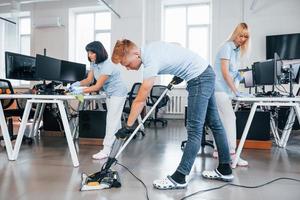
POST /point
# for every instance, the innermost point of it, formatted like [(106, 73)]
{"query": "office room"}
[(149, 99)]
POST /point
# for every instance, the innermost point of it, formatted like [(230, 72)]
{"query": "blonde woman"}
[(227, 64)]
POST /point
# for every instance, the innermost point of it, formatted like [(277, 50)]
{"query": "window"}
[(24, 35), (91, 26), (188, 25), (15, 38)]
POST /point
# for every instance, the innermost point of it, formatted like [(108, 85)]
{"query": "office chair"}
[(6, 88), (204, 142), (130, 98), (155, 93)]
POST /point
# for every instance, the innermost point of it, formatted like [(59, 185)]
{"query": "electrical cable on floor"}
[(214, 188), (241, 186), (146, 189)]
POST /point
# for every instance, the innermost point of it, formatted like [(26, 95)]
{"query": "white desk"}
[(268, 101), (12, 153)]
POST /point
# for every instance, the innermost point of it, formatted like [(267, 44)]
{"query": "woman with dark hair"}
[(109, 79)]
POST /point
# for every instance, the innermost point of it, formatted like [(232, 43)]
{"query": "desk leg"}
[(236, 107), (288, 128), (274, 130), (76, 121), (244, 136), (22, 129), (68, 133), (39, 118), (5, 134), (36, 114)]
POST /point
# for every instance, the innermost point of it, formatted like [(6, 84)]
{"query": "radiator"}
[(176, 105)]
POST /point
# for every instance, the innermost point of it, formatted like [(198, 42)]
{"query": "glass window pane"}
[(84, 35), (198, 14), (25, 45), (199, 41), (25, 25), (103, 21), (104, 38), (175, 25)]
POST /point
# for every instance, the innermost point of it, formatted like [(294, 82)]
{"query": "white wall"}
[(141, 22)]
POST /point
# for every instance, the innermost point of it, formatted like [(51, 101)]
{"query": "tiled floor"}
[(45, 171)]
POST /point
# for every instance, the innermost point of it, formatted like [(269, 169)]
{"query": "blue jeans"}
[(202, 106)]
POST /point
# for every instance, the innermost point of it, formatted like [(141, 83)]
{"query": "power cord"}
[(241, 186), (144, 185), (214, 188)]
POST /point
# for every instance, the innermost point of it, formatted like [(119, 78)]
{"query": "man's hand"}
[(124, 132)]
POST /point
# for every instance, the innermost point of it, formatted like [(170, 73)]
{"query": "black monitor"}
[(287, 46), (48, 68), (20, 67), (264, 73), (59, 70), (71, 71)]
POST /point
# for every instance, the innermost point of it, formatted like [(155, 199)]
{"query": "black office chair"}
[(204, 142), (130, 98), (155, 93), (6, 88)]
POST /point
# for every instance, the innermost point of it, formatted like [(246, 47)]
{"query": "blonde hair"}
[(241, 28), (121, 49)]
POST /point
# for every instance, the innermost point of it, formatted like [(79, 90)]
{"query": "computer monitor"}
[(59, 70), (287, 46), (264, 73), (48, 68), (20, 67), (71, 71), (248, 79)]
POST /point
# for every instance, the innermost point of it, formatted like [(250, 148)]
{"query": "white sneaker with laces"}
[(99, 156)]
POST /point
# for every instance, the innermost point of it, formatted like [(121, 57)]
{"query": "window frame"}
[(186, 4), (73, 13)]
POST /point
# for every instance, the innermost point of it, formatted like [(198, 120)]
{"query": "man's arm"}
[(139, 102)]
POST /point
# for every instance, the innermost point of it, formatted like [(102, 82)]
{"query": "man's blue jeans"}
[(202, 106)]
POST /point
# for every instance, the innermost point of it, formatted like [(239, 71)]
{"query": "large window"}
[(188, 25), (90, 26), (24, 35), (15, 38)]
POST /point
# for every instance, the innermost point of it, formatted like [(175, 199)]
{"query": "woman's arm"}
[(100, 82), (88, 80), (226, 75)]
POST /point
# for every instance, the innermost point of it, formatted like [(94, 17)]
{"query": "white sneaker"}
[(99, 156), (241, 162)]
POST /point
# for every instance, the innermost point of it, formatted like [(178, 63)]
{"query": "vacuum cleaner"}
[(107, 178)]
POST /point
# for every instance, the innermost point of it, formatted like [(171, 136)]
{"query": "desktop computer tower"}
[(92, 124), (259, 128)]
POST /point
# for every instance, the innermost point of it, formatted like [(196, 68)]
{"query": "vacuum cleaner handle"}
[(175, 81)]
